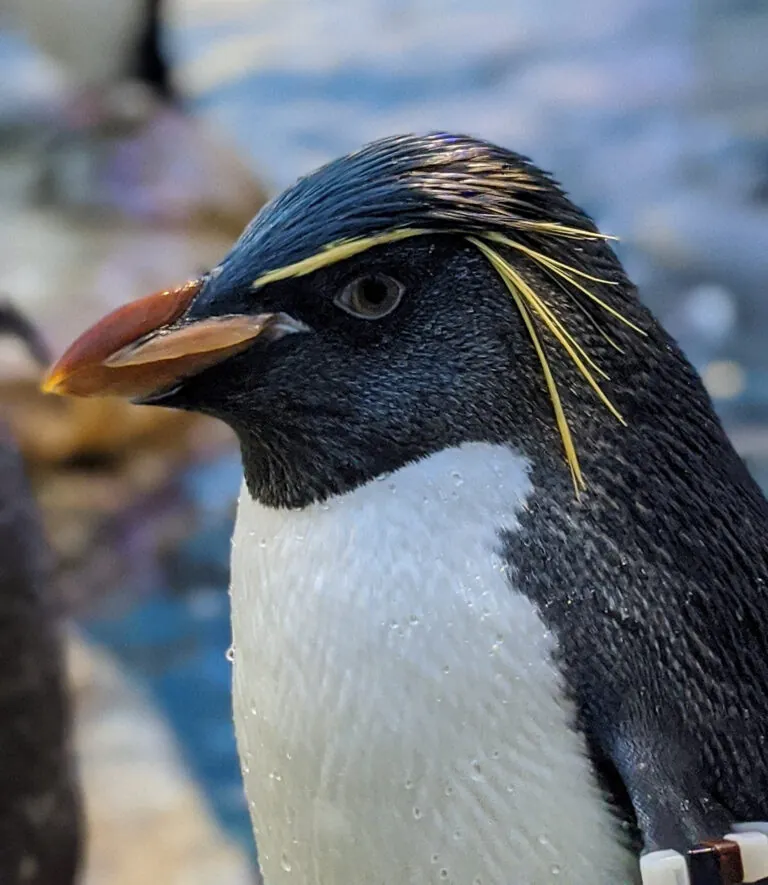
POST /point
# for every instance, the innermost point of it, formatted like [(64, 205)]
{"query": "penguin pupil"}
[(375, 295)]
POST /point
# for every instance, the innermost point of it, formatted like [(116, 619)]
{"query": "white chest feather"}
[(399, 717)]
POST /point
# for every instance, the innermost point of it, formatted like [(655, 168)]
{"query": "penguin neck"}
[(284, 469)]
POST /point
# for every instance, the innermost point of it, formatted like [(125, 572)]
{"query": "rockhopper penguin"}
[(498, 576)]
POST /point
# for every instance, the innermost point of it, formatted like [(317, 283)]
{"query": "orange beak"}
[(146, 347)]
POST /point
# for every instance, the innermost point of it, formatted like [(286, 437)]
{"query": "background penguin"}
[(459, 655), (40, 838), (101, 45)]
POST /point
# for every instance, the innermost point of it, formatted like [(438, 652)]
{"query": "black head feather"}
[(446, 185), (438, 182), (546, 270)]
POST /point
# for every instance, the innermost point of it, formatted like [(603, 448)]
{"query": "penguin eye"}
[(370, 297)]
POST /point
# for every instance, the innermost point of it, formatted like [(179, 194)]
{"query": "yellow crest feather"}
[(527, 300)]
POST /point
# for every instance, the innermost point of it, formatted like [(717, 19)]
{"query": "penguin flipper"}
[(663, 779)]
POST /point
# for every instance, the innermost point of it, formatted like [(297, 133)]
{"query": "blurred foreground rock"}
[(147, 822)]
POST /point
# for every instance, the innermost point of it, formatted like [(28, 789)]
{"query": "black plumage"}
[(40, 812)]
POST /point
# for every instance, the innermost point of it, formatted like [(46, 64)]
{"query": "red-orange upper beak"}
[(146, 347)]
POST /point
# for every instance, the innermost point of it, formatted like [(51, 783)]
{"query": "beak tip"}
[(52, 383)]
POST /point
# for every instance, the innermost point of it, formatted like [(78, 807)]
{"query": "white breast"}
[(399, 717)]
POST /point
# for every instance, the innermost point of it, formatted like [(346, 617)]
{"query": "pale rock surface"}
[(146, 820)]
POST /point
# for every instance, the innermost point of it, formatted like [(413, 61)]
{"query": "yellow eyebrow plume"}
[(332, 254), (529, 303)]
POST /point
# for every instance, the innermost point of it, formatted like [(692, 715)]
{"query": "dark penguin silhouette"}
[(102, 44), (499, 577), (40, 819), (150, 62)]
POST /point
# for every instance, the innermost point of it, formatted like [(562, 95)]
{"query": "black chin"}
[(170, 398), (200, 393)]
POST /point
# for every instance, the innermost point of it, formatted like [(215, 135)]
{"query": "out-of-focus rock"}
[(146, 820), (54, 432), (153, 165), (154, 204), (96, 466), (100, 469)]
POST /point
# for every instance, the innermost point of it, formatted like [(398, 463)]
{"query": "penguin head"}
[(418, 294)]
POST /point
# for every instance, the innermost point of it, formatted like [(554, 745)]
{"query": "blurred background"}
[(116, 180)]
